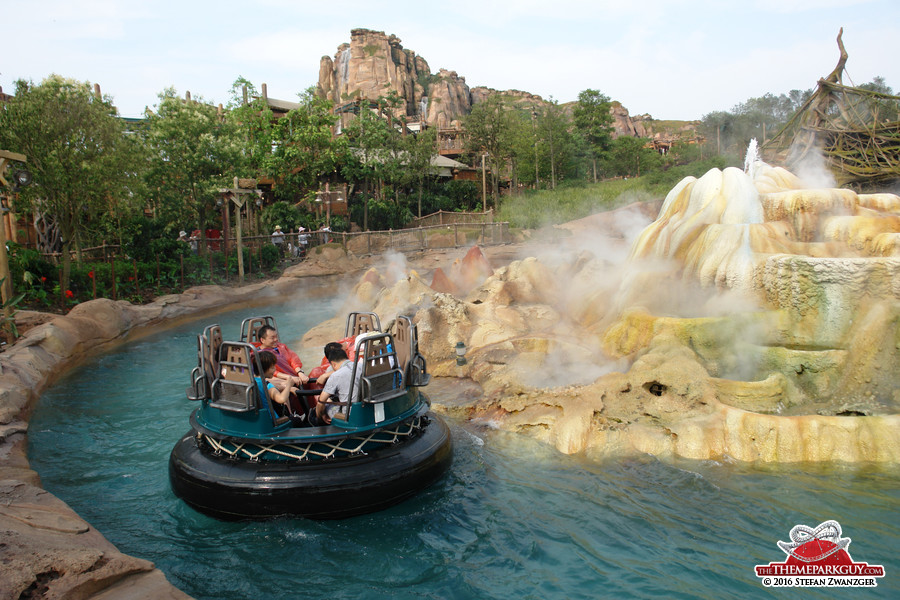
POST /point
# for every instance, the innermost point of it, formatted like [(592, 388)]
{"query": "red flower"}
[(69, 294), (43, 279), (91, 274), (131, 279)]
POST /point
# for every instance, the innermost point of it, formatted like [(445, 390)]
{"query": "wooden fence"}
[(443, 217), (453, 235)]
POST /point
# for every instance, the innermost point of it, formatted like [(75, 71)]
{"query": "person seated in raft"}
[(288, 366), (336, 392), (321, 373), (267, 361)]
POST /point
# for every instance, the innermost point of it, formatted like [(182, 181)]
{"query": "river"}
[(513, 519)]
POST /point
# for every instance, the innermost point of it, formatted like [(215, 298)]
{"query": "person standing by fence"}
[(278, 239), (302, 242)]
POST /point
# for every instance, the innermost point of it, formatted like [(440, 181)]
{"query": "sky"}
[(672, 59)]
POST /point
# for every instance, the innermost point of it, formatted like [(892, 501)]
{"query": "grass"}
[(534, 209), (568, 202)]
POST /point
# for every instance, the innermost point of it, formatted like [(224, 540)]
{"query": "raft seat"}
[(359, 323), (382, 378), (213, 335), (234, 389), (411, 363), (208, 345), (250, 327), (199, 388), (403, 342)]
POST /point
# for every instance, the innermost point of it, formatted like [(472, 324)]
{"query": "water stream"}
[(514, 518)]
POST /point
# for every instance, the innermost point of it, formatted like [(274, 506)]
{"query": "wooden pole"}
[(240, 245), (112, 272), (483, 185)]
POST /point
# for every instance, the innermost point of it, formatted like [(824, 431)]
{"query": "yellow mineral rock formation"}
[(755, 319)]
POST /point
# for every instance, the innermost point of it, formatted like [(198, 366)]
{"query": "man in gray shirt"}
[(336, 392)]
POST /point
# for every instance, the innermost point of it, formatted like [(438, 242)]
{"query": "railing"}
[(107, 272), (443, 217), (452, 235)]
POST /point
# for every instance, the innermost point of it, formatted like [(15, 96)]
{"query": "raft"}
[(241, 459)]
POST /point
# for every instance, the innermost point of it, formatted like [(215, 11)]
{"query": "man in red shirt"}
[(288, 366)]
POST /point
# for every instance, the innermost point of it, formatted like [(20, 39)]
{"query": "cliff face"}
[(624, 124), (374, 64)]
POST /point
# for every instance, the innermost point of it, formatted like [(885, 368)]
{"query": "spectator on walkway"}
[(302, 241), (278, 239)]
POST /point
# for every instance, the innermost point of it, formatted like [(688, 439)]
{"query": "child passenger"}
[(268, 391)]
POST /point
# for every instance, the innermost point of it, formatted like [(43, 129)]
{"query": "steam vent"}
[(756, 319)]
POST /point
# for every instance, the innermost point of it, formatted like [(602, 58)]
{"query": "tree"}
[(195, 151), (305, 149), (375, 155), (296, 150), (756, 118), (419, 150), (489, 128), (630, 157), (76, 150), (595, 122), (879, 85), (556, 139)]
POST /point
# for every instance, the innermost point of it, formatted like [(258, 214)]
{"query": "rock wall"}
[(374, 64)]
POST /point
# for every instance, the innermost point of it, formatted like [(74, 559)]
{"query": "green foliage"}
[(383, 214), (493, 127), (668, 178), (418, 151), (284, 214), (147, 239), (8, 314), (83, 165), (760, 118), (195, 151), (574, 201), (628, 157), (30, 273), (594, 121), (269, 255), (301, 149), (465, 195), (376, 153)]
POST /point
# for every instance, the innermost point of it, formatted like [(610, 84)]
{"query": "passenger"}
[(336, 392), (267, 361), (288, 366), (322, 372)]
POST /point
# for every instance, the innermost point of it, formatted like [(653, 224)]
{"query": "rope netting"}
[(353, 445)]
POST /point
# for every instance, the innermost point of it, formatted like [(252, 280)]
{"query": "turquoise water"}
[(514, 519)]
